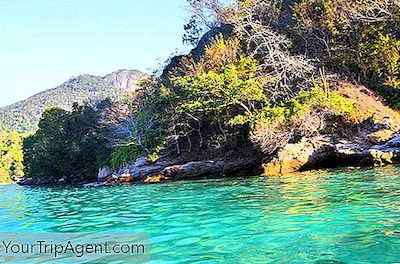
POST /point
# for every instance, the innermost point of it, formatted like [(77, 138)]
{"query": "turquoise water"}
[(332, 217)]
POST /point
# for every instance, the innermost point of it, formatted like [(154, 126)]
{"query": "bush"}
[(11, 156), (305, 115), (124, 155)]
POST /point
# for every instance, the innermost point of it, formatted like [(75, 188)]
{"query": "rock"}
[(345, 149), (394, 142), (125, 79), (157, 173), (140, 162), (36, 181), (382, 157), (318, 152), (295, 157), (381, 136), (140, 172), (388, 153), (155, 179), (104, 173)]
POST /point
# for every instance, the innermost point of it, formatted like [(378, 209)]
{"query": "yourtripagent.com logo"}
[(74, 247)]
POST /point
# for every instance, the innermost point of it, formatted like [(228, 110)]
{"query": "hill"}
[(24, 116)]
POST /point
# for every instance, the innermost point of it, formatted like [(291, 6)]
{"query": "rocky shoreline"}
[(324, 151), (375, 142), (327, 151)]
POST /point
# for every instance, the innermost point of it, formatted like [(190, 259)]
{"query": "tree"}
[(67, 145), (205, 15), (11, 156)]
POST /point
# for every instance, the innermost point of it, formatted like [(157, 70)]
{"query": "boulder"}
[(154, 173), (297, 156), (104, 173), (388, 153), (140, 162), (323, 151), (383, 157), (155, 179), (381, 136)]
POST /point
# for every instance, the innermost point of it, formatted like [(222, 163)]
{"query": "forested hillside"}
[(286, 85), (24, 116)]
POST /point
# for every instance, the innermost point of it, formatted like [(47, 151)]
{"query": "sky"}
[(45, 42)]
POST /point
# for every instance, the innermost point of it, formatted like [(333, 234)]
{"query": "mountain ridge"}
[(23, 116)]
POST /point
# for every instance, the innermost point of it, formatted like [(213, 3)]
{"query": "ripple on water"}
[(331, 217)]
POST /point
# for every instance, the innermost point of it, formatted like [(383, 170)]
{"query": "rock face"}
[(104, 173), (324, 151), (295, 157), (381, 136), (125, 79), (331, 151), (153, 173), (388, 153)]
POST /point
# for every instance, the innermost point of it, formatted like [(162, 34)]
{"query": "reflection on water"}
[(350, 216)]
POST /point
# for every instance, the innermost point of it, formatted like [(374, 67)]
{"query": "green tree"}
[(11, 156), (67, 145)]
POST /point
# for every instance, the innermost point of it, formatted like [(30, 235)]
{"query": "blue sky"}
[(45, 42)]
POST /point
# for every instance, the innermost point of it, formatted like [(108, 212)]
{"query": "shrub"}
[(123, 156), (305, 115), (11, 156)]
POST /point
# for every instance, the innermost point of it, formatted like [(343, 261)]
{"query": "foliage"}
[(219, 92), (11, 156), (225, 86), (67, 145), (316, 98), (123, 155), (360, 38), (304, 115), (142, 132), (205, 15), (288, 73), (380, 56), (238, 84)]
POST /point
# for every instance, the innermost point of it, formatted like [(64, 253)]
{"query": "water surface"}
[(350, 216)]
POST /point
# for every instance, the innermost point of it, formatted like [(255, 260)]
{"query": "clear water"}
[(332, 217)]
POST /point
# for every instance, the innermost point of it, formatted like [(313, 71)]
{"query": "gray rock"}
[(388, 153), (104, 173), (140, 162), (394, 142)]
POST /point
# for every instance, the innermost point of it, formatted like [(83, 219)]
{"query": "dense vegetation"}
[(11, 156), (265, 84), (67, 145), (270, 81), (24, 116)]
